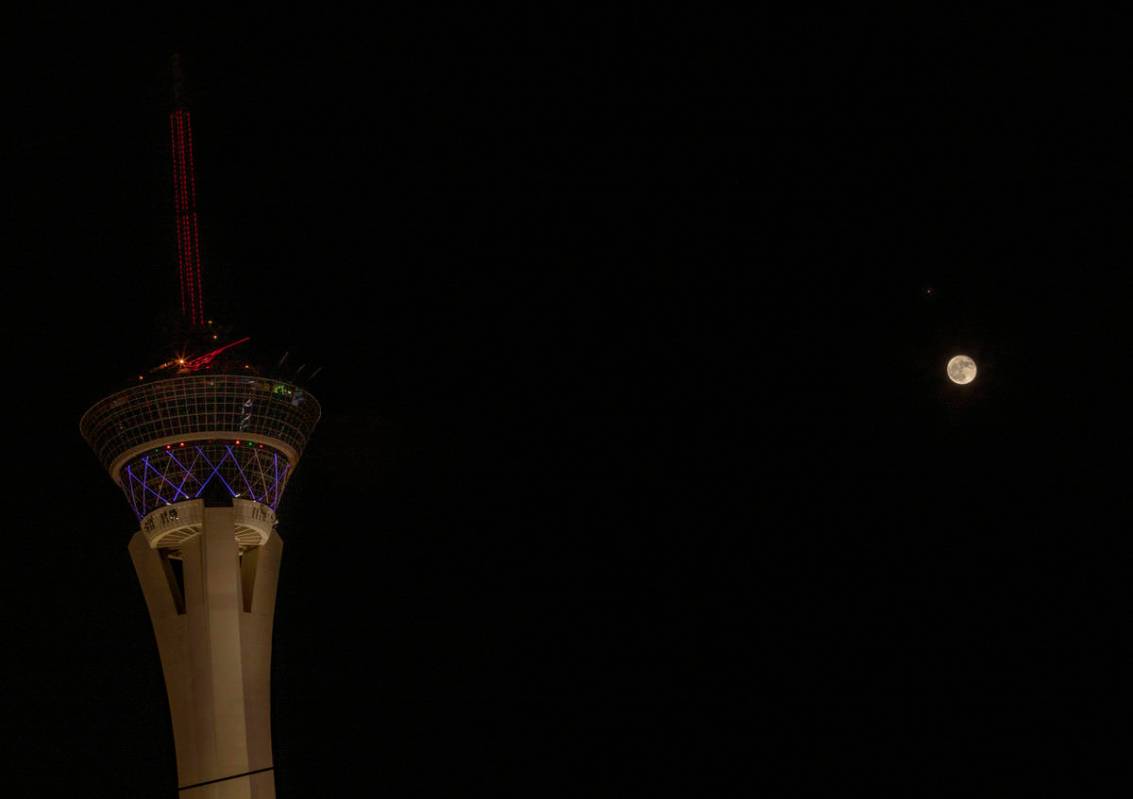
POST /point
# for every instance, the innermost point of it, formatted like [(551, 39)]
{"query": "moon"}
[(961, 369)]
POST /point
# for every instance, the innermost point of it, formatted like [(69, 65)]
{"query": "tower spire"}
[(185, 204)]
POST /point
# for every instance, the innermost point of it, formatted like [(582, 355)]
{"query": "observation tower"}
[(203, 447)]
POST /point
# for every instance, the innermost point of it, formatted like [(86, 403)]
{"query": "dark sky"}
[(638, 464)]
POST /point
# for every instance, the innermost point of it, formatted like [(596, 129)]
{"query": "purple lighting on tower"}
[(188, 472), (150, 467), (248, 485), (161, 477), (214, 473)]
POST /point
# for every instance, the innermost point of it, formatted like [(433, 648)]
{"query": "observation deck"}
[(170, 440)]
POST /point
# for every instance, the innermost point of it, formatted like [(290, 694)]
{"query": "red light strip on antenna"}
[(177, 211), (185, 208), (196, 228), (178, 182)]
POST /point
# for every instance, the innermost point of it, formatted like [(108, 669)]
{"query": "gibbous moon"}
[(961, 369)]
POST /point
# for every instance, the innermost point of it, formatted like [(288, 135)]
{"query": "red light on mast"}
[(185, 210)]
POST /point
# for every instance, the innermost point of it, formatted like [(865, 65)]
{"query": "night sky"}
[(639, 466)]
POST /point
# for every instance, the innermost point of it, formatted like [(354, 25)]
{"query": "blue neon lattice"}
[(183, 472)]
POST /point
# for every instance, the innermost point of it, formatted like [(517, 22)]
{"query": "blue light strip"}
[(145, 487), (201, 470), (160, 475), (188, 472), (263, 478), (286, 466), (132, 496), (215, 471), (236, 460), (165, 471)]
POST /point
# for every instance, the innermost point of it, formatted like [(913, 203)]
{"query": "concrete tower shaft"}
[(213, 624)]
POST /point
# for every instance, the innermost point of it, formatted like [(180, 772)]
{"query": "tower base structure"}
[(209, 577)]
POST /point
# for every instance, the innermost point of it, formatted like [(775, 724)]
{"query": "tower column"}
[(214, 637)]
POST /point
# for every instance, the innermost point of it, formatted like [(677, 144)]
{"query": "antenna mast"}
[(185, 205)]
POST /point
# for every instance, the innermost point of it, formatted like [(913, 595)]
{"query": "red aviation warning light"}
[(185, 207)]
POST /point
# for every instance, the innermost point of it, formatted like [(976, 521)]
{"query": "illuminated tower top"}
[(200, 425), (169, 440)]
